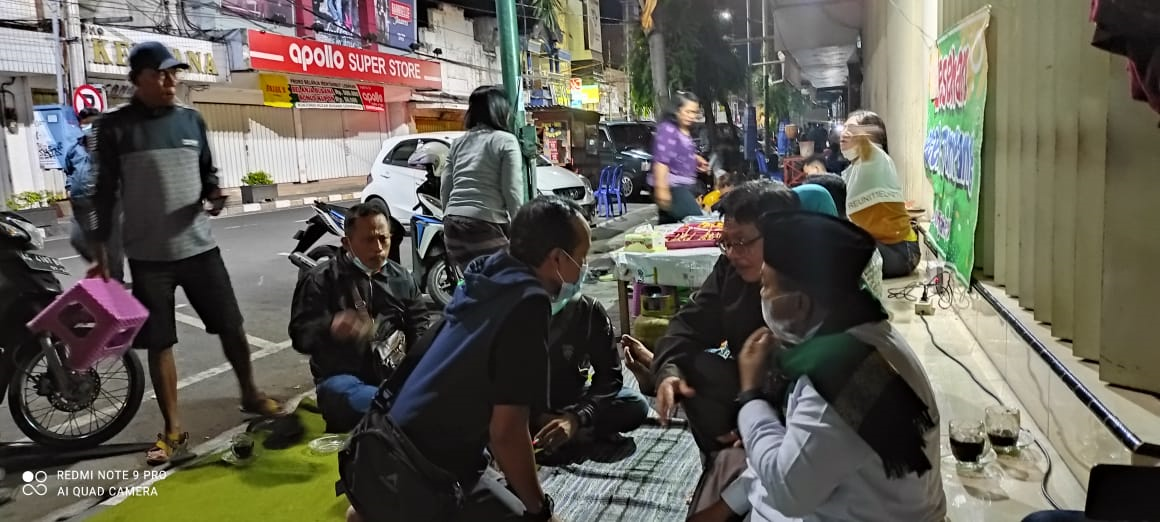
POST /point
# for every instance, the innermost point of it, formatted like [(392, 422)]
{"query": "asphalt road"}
[(255, 247)]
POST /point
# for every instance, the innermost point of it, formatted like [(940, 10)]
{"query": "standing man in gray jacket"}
[(154, 154)]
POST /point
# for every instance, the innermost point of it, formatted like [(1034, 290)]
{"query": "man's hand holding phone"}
[(215, 202)]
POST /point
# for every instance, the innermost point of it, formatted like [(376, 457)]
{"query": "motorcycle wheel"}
[(440, 282), (31, 383)]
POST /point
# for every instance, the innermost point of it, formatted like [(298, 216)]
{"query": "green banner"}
[(954, 138)]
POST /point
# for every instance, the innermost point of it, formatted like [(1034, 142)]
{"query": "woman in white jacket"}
[(838, 418)]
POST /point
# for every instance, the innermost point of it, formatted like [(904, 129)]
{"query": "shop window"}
[(402, 153)]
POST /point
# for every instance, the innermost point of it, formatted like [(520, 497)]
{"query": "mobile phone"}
[(217, 204)]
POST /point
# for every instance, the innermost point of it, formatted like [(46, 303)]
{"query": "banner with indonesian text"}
[(954, 138), (312, 93)]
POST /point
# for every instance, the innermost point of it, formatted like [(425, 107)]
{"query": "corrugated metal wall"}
[(1069, 168), (331, 144)]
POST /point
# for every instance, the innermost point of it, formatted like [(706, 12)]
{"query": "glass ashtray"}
[(328, 444)]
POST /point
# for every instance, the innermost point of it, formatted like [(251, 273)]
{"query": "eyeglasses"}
[(739, 245)]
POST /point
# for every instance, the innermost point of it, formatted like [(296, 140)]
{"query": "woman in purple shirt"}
[(675, 161)]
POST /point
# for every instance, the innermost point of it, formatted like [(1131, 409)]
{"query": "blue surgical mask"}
[(559, 306), (361, 266), (86, 127), (568, 290)]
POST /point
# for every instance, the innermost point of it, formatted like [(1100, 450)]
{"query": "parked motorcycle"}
[(52, 404), (329, 219), (435, 275)]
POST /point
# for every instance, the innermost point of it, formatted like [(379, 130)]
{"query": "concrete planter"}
[(259, 193), (41, 217)]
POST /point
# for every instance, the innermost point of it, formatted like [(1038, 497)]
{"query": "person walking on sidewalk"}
[(80, 184), (154, 154)]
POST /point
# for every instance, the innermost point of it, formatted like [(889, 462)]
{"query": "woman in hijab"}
[(874, 195), (675, 161), (838, 418), (483, 182), (818, 198)]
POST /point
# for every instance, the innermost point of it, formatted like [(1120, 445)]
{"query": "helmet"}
[(431, 153)]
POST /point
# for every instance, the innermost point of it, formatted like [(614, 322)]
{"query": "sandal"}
[(263, 406), (166, 449)]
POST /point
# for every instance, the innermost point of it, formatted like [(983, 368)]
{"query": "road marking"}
[(267, 349), (69, 257)]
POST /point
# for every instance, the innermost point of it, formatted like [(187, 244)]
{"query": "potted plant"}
[(258, 187), (34, 207), (60, 202)]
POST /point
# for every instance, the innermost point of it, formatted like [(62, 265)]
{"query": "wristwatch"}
[(753, 394), (546, 510)]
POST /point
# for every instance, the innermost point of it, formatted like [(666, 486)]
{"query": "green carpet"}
[(291, 484)]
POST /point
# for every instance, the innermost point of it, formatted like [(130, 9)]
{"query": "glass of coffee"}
[(968, 443), (1003, 428), (242, 446)]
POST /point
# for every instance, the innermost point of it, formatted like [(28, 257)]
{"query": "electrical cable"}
[(971, 374)]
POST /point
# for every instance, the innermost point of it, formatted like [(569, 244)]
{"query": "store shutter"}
[(324, 145), (273, 146), (365, 133), (228, 126)]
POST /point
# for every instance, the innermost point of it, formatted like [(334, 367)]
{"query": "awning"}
[(438, 101)]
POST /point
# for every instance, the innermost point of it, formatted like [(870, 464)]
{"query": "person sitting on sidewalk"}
[(581, 335), (355, 316), (727, 307), (486, 369), (837, 416)]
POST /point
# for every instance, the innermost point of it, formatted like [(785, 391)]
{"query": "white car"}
[(394, 182)]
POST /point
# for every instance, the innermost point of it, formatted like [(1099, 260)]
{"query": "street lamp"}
[(725, 15)]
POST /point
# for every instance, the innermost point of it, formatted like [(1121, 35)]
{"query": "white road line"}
[(267, 349)]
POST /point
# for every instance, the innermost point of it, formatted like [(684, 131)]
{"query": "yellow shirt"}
[(710, 199), (888, 222)]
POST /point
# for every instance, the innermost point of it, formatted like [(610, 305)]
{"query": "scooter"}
[(329, 219), (435, 275), (40, 388)]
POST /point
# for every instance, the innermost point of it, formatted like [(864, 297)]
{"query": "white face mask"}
[(782, 329), (850, 153)]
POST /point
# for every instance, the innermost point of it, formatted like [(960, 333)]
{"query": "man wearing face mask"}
[(486, 369), (581, 340), (355, 316), (837, 416)]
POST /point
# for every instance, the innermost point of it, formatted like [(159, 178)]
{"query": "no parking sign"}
[(88, 96)]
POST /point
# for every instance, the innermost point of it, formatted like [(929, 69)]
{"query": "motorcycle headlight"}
[(16, 231)]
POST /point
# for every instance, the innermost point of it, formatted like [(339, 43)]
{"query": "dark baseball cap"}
[(153, 55)]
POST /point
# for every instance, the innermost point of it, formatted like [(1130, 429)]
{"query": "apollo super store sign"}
[(284, 54)]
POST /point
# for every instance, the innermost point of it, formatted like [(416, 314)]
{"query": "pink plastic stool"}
[(116, 316)]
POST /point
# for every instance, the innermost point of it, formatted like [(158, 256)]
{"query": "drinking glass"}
[(968, 443), (1002, 423), (242, 446)]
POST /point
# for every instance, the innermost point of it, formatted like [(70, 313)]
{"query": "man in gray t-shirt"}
[(153, 154)]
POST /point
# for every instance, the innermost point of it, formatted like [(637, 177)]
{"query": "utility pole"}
[(766, 57), (750, 109), (627, 26), (74, 43), (509, 51), (57, 8)]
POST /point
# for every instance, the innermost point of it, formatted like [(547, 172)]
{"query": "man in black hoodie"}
[(581, 341), (355, 316), (487, 367)]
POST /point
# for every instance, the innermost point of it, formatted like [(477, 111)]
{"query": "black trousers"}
[(712, 412)]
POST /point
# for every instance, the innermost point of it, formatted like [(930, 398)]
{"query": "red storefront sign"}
[(372, 98), (274, 52)]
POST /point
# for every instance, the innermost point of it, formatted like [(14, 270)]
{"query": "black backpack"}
[(383, 475)]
